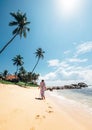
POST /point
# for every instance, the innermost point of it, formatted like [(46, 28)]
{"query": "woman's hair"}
[(42, 80)]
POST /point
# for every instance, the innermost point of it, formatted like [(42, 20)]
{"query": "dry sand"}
[(20, 109)]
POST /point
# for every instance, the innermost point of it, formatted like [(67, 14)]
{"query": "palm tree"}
[(39, 54), (1, 76), (5, 73), (34, 77), (22, 73), (20, 22), (18, 62)]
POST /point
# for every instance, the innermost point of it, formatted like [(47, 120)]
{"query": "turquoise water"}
[(82, 96)]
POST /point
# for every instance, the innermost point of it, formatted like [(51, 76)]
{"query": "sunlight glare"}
[(68, 8)]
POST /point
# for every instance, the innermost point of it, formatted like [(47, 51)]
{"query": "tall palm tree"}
[(18, 62), (21, 23), (39, 54)]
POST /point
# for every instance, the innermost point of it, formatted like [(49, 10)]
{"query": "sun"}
[(68, 8)]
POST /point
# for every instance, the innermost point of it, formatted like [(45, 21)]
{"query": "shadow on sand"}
[(39, 98)]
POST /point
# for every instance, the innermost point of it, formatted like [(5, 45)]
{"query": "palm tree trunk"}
[(16, 73), (7, 44), (35, 65)]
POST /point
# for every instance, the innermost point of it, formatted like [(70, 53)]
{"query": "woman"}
[(42, 89)]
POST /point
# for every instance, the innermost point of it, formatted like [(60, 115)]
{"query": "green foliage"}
[(39, 54), (20, 22), (22, 84), (5, 82)]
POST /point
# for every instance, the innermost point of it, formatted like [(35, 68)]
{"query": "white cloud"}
[(70, 72), (67, 74), (86, 75), (67, 52), (61, 82), (49, 76), (77, 60), (64, 64), (54, 62), (84, 48)]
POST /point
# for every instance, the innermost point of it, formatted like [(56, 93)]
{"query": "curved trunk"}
[(7, 44), (35, 65)]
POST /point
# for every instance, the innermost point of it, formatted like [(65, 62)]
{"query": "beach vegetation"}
[(21, 76), (5, 73), (22, 84), (18, 62)]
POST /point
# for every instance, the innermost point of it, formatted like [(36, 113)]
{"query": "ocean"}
[(82, 97)]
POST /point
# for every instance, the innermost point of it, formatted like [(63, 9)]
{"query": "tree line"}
[(20, 22)]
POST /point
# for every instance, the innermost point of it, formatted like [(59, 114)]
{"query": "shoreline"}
[(73, 108), (21, 109), (69, 101)]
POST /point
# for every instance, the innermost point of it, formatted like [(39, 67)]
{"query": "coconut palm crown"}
[(18, 62), (39, 54), (21, 29)]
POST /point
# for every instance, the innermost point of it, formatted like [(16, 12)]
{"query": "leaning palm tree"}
[(21, 23), (39, 54), (18, 62)]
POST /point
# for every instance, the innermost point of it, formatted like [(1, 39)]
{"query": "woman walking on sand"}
[(42, 89)]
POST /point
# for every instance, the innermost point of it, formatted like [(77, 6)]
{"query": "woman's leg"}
[(42, 95)]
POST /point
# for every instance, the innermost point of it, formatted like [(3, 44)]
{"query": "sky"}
[(62, 28)]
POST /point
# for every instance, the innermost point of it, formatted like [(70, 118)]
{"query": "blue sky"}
[(62, 28)]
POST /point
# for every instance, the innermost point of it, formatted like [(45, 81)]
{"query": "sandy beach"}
[(21, 109)]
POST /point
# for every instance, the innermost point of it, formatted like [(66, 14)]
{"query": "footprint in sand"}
[(37, 117), (49, 111), (32, 128), (50, 107), (40, 117), (43, 116)]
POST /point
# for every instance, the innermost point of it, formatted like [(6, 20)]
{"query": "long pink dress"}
[(42, 89)]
